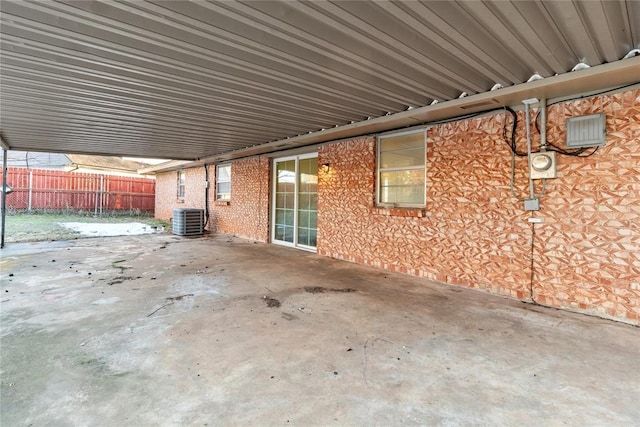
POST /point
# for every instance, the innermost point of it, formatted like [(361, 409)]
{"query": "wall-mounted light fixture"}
[(326, 167)]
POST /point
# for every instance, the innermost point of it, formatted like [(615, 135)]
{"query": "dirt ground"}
[(166, 330)]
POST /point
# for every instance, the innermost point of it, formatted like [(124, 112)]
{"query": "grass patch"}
[(41, 227)]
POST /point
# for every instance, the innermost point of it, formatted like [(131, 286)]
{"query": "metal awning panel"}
[(194, 80)]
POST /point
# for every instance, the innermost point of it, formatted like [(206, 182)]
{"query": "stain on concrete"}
[(320, 290), (104, 301), (121, 279), (402, 356), (271, 302), (289, 316), (179, 297)]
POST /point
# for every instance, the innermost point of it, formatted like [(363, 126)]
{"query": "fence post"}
[(4, 194), (101, 193), (30, 190)]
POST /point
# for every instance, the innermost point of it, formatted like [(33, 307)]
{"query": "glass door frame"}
[(274, 188)]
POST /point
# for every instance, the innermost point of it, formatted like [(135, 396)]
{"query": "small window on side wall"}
[(401, 176), (223, 182), (180, 187)]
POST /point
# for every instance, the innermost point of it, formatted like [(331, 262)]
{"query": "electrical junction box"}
[(543, 165), (532, 204)]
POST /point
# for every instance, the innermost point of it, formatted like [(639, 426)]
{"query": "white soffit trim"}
[(170, 165)]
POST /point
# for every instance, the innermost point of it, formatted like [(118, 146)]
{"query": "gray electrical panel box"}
[(532, 204), (586, 131)]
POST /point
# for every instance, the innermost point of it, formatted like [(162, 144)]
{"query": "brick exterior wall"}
[(584, 257), (586, 254), (245, 215), (167, 192), (471, 233)]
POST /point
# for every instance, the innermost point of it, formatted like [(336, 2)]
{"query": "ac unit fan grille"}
[(188, 222)]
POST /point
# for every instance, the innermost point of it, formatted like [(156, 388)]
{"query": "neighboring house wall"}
[(585, 256)]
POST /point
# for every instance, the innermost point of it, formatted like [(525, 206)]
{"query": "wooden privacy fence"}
[(57, 191)]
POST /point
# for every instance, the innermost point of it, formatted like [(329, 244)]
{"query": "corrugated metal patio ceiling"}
[(187, 80)]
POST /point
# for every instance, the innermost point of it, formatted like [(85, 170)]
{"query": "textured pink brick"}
[(246, 215), (459, 237), (167, 192), (473, 232)]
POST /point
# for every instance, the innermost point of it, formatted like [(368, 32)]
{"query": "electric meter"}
[(543, 165), (541, 162)]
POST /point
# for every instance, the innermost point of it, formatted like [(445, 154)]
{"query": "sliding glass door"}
[(295, 201)]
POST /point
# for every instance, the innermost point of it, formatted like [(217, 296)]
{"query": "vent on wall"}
[(188, 222), (586, 131)]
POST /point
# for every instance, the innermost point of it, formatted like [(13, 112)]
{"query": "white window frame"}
[(274, 187), (379, 170), (218, 181), (181, 184)]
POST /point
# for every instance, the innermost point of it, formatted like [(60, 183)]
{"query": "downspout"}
[(206, 195)]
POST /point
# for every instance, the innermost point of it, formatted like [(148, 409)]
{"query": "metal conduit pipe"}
[(513, 177), (543, 124), (528, 121)]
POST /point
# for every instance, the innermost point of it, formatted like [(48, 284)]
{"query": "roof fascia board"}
[(3, 143), (76, 166), (171, 165)]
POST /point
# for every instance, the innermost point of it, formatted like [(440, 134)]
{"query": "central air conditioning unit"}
[(188, 222)]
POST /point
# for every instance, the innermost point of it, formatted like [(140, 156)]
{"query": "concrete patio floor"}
[(164, 330)]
